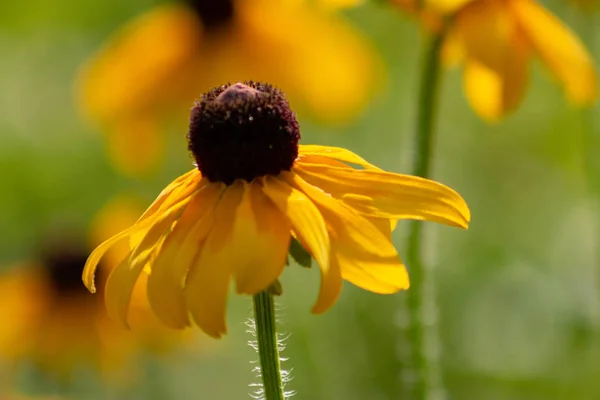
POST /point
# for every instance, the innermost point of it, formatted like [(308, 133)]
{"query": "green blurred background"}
[(519, 292)]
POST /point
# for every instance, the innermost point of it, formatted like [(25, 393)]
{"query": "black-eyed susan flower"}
[(157, 64), (254, 189), (50, 319), (496, 40)]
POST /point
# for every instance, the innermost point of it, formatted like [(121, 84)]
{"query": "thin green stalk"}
[(422, 376), (268, 346), (591, 142)]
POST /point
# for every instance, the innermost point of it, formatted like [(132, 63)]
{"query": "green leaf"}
[(299, 254), (275, 289)]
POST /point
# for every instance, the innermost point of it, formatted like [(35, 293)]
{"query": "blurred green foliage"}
[(519, 292)]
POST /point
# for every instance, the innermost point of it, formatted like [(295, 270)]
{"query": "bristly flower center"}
[(213, 13), (243, 131), (63, 268)]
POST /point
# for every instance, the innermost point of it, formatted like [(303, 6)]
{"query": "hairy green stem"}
[(268, 346), (422, 376)]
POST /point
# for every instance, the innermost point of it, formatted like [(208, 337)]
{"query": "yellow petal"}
[(496, 58), (176, 191), (207, 284), (92, 262), (134, 72), (168, 272), (181, 187), (363, 251), (385, 226), (378, 275), (344, 220), (160, 227), (119, 288), (318, 159), (386, 195), (260, 240), (119, 213), (335, 153), (560, 49), (340, 4), (495, 91), (311, 230), (486, 28), (446, 6)]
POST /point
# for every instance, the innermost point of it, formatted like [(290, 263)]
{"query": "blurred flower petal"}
[(560, 49)]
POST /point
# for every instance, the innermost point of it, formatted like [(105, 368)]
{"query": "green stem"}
[(422, 367), (591, 144), (268, 346)]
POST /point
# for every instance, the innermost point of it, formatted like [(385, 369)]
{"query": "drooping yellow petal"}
[(160, 227), (560, 49), (494, 92), (118, 214), (377, 275), (385, 226), (207, 283), (92, 262), (135, 70), (388, 195), (496, 58), (168, 272), (260, 240), (335, 153), (344, 220), (364, 252), (310, 229), (120, 285), (181, 187)]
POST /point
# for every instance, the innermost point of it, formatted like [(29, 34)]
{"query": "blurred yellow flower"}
[(495, 40), (165, 58), (49, 318), (254, 189)]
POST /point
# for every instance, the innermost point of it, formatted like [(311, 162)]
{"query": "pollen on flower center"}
[(213, 13), (63, 268), (243, 131)]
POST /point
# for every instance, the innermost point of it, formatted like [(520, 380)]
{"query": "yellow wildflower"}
[(159, 62), (49, 318), (254, 188), (495, 40)]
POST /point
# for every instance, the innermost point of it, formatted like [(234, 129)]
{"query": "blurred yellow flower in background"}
[(255, 188), (49, 318), (495, 41), (161, 61)]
